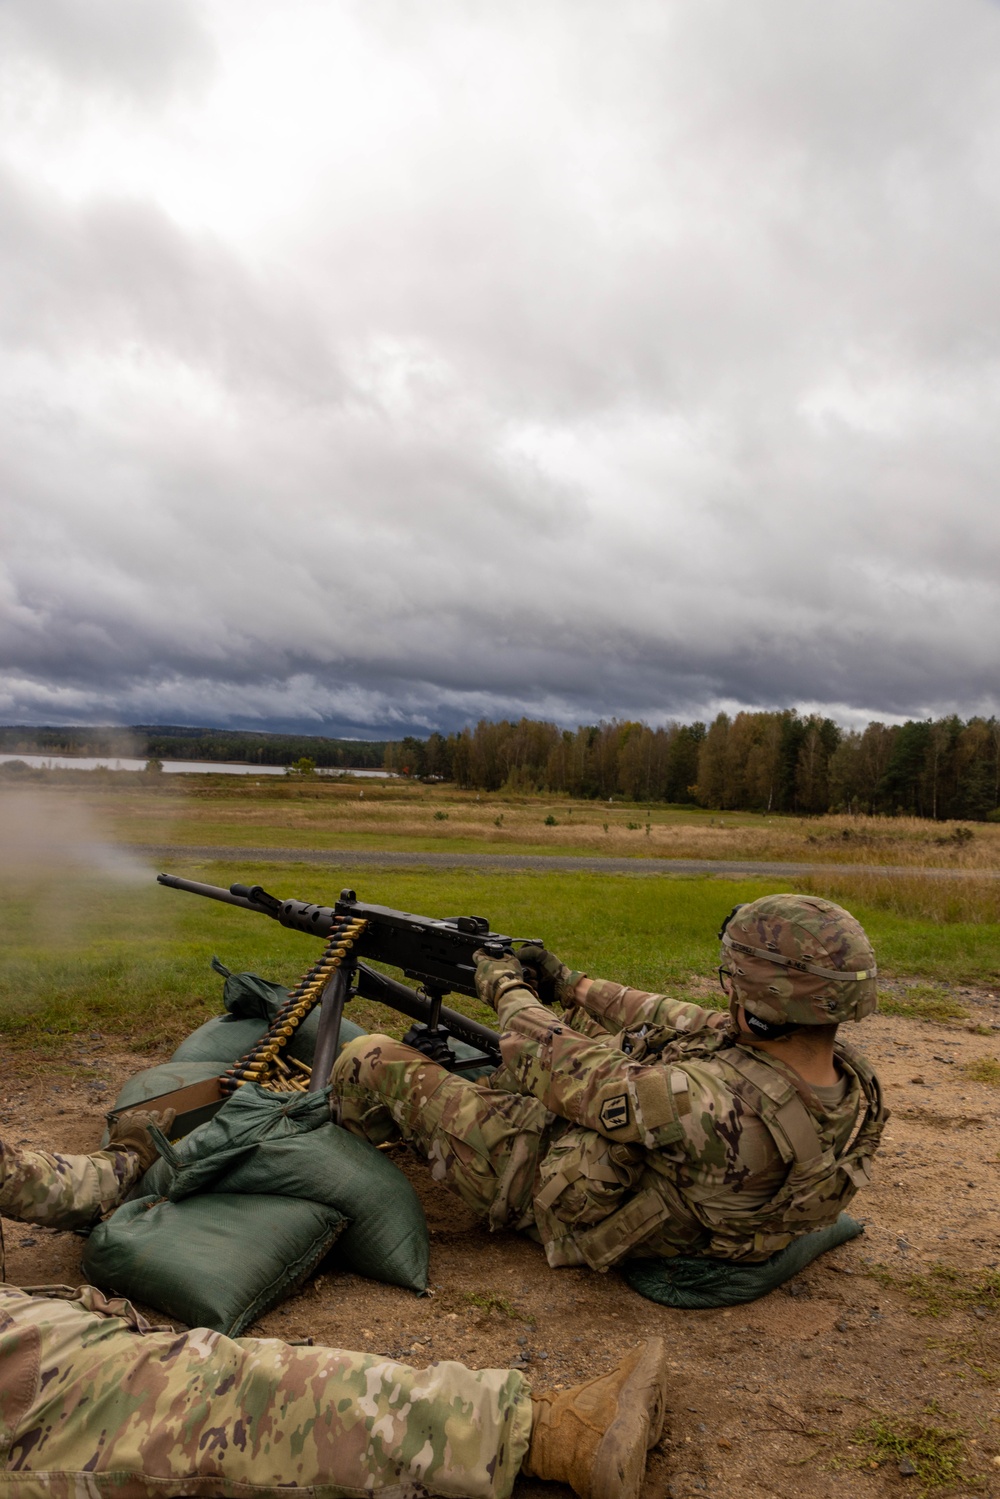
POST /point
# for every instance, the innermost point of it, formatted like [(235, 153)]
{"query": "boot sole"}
[(620, 1461)]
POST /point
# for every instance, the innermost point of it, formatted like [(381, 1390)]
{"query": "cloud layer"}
[(371, 368)]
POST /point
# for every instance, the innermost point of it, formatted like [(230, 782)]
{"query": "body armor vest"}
[(659, 1218)]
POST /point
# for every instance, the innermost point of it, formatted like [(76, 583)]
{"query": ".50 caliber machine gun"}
[(436, 951)]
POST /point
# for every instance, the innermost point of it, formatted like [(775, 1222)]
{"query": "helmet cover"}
[(797, 959)]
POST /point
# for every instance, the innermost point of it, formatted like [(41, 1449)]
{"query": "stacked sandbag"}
[(240, 1212), (236, 1215)]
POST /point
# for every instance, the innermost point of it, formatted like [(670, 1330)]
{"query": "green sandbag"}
[(386, 1238), (693, 1284), (247, 1120), (213, 1261), (248, 995), (285, 1144), (220, 1040)]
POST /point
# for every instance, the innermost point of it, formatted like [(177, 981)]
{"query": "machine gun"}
[(437, 952)]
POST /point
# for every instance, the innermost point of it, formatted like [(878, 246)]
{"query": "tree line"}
[(761, 762)]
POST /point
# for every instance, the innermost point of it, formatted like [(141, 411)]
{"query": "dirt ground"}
[(768, 1399)]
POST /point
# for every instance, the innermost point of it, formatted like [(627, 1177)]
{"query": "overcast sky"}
[(373, 367)]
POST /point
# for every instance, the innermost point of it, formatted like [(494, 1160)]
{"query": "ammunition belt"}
[(266, 1064)]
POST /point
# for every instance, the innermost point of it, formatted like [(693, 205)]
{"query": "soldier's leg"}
[(88, 1406), (481, 1143)]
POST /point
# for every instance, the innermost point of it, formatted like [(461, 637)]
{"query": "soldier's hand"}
[(555, 980), (131, 1132), (494, 976)]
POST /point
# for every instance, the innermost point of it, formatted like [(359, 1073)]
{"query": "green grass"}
[(935, 1453), (983, 1070), (921, 1002), (914, 929), (488, 1302), (134, 959), (942, 1288), (80, 953)]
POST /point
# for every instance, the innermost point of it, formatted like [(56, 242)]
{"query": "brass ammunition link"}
[(264, 1064)]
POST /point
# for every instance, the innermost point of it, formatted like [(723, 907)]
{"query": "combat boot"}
[(595, 1436)]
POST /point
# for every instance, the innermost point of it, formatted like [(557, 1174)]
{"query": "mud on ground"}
[(772, 1399)]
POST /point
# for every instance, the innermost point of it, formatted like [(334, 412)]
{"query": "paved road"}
[(353, 858)]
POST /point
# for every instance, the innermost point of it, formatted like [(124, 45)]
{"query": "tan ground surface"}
[(767, 1397)]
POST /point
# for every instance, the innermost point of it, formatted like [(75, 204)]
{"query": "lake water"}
[(173, 767)]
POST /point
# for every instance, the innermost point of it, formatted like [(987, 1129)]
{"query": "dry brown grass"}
[(965, 899), (328, 814), (617, 830)]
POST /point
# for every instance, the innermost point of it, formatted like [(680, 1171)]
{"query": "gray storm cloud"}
[(144, 51), (379, 369)]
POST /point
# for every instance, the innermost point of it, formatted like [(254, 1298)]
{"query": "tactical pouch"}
[(630, 1226), (583, 1207)]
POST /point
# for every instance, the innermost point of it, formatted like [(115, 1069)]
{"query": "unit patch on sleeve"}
[(614, 1111)]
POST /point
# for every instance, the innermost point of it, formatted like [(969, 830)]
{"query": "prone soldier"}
[(95, 1403), (639, 1125)]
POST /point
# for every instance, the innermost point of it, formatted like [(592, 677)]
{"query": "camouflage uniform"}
[(94, 1403), (640, 1128), (63, 1191)]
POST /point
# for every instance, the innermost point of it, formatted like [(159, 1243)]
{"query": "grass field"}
[(321, 814), (133, 958), (90, 941)]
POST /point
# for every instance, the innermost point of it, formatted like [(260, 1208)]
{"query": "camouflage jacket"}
[(62, 1191), (672, 1138)]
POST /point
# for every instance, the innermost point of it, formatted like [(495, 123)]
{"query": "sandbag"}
[(284, 1144), (218, 1261), (220, 1040), (693, 1284)]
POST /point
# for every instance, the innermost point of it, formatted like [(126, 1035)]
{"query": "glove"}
[(131, 1132), (494, 976), (556, 982)]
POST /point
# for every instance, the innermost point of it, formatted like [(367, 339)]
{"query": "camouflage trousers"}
[(484, 1145), (95, 1405), (63, 1191)]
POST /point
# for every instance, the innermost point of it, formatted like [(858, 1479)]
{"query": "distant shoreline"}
[(181, 767)]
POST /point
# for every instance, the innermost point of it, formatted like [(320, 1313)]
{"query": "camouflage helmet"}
[(799, 960)]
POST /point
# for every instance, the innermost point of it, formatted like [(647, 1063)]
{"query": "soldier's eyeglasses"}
[(724, 974)]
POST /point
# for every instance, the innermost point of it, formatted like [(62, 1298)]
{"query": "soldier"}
[(639, 1125), (94, 1404)]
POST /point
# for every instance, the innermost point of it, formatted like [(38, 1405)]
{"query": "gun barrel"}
[(214, 892)]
